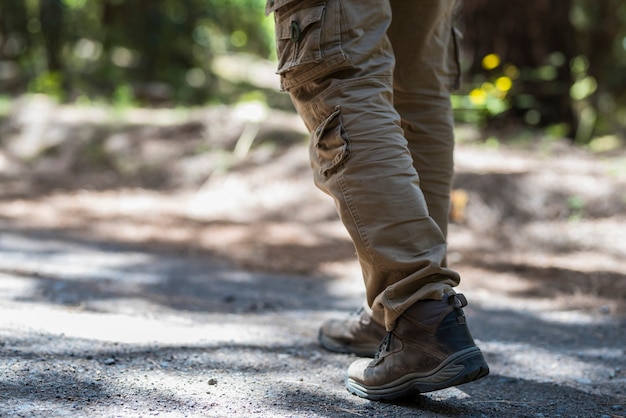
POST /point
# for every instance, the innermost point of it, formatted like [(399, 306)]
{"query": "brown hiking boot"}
[(358, 334), (430, 349)]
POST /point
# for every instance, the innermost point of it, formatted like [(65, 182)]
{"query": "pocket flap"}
[(273, 5), (303, 18)]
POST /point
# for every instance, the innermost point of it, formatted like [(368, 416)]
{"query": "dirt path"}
[(205, 301), (90, 329)]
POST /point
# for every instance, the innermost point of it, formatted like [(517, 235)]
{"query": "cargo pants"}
[(372, 79)]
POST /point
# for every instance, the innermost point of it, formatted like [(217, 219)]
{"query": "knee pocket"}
[(329, 145)]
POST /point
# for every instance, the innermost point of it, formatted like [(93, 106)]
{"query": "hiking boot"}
[(358, 334), (430, 349)]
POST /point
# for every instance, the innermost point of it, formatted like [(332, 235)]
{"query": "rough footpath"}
[(92, 329), (143, 279)]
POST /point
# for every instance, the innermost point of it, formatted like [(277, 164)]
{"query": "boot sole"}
[(335, 346), (462, 367)]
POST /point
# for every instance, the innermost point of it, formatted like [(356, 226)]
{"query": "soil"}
[(153, 263)]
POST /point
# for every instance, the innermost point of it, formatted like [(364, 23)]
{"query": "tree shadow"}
[(78, 272), (522, 196), (568, 288), (553, 282)]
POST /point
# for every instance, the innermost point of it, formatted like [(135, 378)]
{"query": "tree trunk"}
[(51, 17)]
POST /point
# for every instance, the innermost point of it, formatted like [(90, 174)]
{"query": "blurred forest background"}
[(144, 145), (558, 65), (160, 123)]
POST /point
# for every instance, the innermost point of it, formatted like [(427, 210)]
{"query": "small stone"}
[(506, 380), (617, 407), (110, 361), (212, 382)]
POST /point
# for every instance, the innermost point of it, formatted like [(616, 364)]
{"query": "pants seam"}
[(357, 222)]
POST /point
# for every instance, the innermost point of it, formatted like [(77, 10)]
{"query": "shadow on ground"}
[(277, 378), (99, 328), (138, 277)]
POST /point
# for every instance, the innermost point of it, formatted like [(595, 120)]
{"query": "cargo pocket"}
[(308, 39), (456, 44), (330, 146)]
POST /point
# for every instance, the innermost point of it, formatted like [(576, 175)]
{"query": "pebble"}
[(506, 380), (617, 407)]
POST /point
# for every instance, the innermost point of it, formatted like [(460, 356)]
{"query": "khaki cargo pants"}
[(372, 79)]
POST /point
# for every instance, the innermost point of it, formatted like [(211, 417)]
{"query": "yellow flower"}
[(491, 61), (478, 97), (504, 84)]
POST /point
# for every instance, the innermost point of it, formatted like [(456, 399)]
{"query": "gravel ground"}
[(122, 300), (90, 330)]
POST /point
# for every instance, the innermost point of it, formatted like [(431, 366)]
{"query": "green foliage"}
[(564, 67), (123, 96), (5, 106), (559, 69), (163, 49), (49, 83), (488, 96), (576, 205)]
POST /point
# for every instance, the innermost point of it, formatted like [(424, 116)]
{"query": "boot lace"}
[(384, 345)]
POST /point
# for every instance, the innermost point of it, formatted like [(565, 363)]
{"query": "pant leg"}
[(336, 61), (424, 41)]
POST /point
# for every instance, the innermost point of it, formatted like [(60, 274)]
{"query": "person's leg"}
[(427, 69), (430, 347), (337, 64)]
